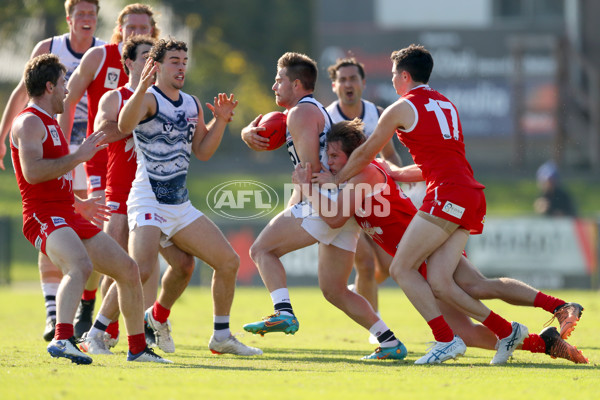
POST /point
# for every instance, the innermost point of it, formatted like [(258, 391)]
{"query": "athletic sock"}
[(100, 325), (440, 329), (384, 335), (49, 290), (547, 302), (113, 329), (63, 331), (221, 327), (160, 313), (137, 343), (89, 295), (534, 343), (281, 301), (495, 323)]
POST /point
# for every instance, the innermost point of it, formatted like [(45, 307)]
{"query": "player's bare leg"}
[(50, 277), (203, 239), (281, 236), (364, 262), (335, 266)]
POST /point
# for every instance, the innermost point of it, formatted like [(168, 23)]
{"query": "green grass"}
[(321, 361)]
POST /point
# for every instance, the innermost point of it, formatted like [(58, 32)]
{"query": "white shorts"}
[(344, 238), (169, 218), (79, 179)]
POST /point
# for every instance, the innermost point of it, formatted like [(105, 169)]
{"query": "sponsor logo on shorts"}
[(54, 135), (58, 221), (148, 216), (193, 120), (38, 243), (113, 205), (159, 218), (453, 209), (242, 200), (112, 78), (95, 181)]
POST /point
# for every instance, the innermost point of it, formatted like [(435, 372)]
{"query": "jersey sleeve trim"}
[(416, 116)]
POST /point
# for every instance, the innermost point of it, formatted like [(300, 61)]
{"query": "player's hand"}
[(302, 174), (94, 210), (223, 107), (91, 145), (148, 74), (323, 177), (2, 154), (252, 138)]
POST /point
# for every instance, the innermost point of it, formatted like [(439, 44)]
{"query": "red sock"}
[(495, 323), (160, 313), (534, 343), (89, 295), (440, 329), (137, 343), (547, 302), (63, 331), (113, 329)]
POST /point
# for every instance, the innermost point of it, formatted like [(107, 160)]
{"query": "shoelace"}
[(271, 316)]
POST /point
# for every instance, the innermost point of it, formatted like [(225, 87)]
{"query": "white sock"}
[(100, 325), (282, 296), (221, 327), (380, 328), (49, 290)]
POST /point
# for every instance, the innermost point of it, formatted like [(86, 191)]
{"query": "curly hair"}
[(40, 70), (160, 48)]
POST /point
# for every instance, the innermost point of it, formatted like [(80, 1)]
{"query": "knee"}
[(256, 252), (231, 264), (365, 267), (84, 268), (332, 295), (186, 266), (130, 274), (439, 285)]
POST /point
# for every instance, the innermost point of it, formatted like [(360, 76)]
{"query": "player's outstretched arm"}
[(396, 115), (140, 104), (251, 137), (28, 134), (207, 139)]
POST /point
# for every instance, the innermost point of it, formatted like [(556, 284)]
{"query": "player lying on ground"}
[(377, 194)]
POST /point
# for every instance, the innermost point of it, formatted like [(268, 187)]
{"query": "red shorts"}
[(39, 225), (462, 205), (95, 171), (116, 202)]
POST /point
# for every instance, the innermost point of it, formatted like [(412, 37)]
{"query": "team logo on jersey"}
[(113, 205), (168, 127), (180, 119), (94, 181), (453, 209), (112, 78), (58, 221), (38, 243), (54, 135)]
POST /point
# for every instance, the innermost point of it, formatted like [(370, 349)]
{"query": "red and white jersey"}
[(56, 194), (109, 75), (435, 140), (121, 160), (385, 214)]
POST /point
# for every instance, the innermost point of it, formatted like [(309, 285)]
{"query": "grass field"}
[(322, 361)]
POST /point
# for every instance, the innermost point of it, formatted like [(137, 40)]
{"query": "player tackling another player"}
[(383, 212)]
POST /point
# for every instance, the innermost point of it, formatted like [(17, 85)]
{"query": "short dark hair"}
[(130, 48), (416, 60), (40, 70), (349, 133), (299, 66), (345, 62), (160, 48)]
